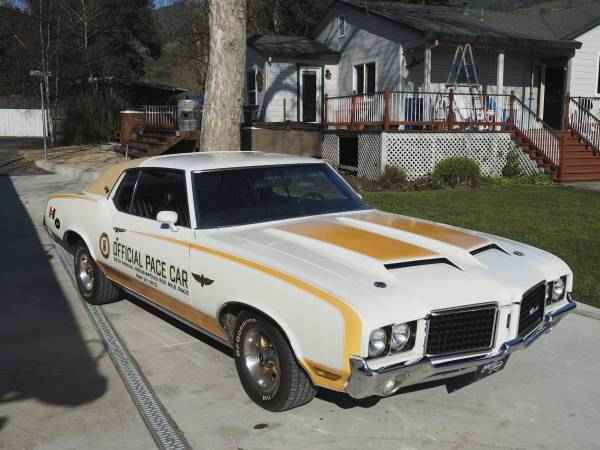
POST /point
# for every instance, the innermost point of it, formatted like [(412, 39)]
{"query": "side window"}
[(122, 198), (161, 190), (341, 24)]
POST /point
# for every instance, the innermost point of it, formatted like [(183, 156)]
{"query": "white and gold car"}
[(279, 258)]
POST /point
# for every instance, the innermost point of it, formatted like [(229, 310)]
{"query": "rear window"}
[(260, 194)]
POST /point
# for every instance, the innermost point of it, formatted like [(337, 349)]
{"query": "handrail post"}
[(353, 112), (451, 118), (561, 157), (511, 111), (566, 111), (325, 109), (386, 109)]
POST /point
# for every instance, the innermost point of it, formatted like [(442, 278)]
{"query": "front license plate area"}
[(491, 368)]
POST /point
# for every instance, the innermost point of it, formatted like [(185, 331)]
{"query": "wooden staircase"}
[(580, 161), (535, 153), (572, 154), (153, 142)]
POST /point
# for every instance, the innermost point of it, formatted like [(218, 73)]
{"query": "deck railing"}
[(162, 117), (418, 110), (535, 130), (583, 120)]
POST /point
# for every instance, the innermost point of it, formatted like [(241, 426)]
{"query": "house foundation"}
[(418, 153)]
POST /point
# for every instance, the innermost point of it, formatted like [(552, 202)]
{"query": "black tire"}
[(101, 290), (293, 388)]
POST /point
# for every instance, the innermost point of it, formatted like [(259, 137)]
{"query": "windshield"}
[(261, 194)]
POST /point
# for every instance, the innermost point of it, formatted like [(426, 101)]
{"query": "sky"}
[(21, 3)]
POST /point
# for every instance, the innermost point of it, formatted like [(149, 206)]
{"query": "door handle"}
[(119, 230)]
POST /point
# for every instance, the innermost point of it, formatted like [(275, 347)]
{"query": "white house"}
[(375, 73)]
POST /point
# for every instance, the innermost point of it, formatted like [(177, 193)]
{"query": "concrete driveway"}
[(64, 392)]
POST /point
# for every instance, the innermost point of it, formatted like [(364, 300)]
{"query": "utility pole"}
[(43, 76)]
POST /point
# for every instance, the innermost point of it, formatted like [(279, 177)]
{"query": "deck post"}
[(511, 112), (451, 117), (353, 112), (325, 108), (566, 111), (386, 109), (499, 82), (559, 174), (427, 74)]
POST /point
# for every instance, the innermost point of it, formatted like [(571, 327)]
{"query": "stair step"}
[(581, 170), (160, 132), (137, 146), (580, 177), (146, 139)]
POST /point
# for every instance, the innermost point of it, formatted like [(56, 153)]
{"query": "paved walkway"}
[(586, 185)]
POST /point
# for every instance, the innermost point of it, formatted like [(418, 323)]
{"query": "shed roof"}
[(292, 48), (452, 24)]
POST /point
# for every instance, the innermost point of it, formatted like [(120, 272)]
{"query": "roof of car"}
[(223, 160), (195, 162)]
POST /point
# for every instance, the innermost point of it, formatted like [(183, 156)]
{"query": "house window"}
[(251, 87), (341, 23), (364, 78)]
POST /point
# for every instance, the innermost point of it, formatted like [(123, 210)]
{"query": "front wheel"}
[(93, 285), (267, 367)]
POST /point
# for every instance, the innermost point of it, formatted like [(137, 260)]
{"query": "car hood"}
[(394, 268)]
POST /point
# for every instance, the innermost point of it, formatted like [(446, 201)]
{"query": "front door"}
[(310, 95), (554, 96), (154, 258)]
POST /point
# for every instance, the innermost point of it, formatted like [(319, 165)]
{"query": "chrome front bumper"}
[(366, 382)]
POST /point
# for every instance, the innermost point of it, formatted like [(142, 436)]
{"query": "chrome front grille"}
[(532, 309), (461, 330)]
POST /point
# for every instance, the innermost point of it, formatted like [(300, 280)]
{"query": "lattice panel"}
[(419, 153), (330, 149), (369, 155)]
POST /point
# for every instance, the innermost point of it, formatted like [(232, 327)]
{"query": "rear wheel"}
[(267, 366), (93, 285)]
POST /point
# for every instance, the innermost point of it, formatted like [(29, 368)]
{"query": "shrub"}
[(392, 179), (512, 168), (537, 180), (457, 171), (361, 184), (91, 117)]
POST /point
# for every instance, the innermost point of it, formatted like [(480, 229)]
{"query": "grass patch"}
[(561, 220)]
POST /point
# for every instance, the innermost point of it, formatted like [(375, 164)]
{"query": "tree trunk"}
[(224, 91)]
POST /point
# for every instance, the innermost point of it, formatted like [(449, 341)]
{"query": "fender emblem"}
[(204, 281)]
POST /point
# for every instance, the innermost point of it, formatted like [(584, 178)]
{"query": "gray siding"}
[(367, 39), (281, 89), (280, 83), (584, 65)]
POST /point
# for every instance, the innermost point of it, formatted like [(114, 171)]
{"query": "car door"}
[(155, 255), (115, 249)]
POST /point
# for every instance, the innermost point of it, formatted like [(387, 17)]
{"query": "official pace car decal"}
[(149, 269), (105, 245)]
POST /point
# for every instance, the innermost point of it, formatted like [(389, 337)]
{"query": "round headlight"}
[(400, 336), (558, 289), (377, 342)]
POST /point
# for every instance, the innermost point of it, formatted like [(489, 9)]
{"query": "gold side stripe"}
[(352, 323), (450, 236), (324, 371), (71, 196), (366, 243), (157, 297)]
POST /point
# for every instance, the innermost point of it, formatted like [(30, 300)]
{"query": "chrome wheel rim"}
[(86, 273), (262, 361)]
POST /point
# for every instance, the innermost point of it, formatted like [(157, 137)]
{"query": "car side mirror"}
[(167, 220)]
